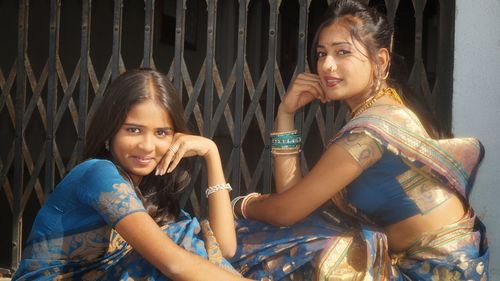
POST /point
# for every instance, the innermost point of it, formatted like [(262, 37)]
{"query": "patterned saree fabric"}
[(344, 240), (73, 237)]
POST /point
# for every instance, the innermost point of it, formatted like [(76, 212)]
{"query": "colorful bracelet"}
[(286, 143), (217, 187)]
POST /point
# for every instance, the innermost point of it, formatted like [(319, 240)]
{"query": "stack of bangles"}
[(217, 187), (244, 204), (286, 143)]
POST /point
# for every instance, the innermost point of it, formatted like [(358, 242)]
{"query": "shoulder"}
[(96, 167), (362, 146), (93, 172)]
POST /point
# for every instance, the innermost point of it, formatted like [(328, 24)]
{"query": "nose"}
[(147, 143), (329, 64)]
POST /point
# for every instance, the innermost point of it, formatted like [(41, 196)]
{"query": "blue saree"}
[(344, 240), (72, 237)]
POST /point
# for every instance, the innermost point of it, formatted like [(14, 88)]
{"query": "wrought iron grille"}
[(230, 60)]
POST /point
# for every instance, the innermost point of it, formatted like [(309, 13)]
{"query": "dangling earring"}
[(106, 145)]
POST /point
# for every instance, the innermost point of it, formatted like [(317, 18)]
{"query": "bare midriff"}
[(403, 234)]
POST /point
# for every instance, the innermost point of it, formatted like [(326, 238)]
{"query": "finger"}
[(308, 76), (311, 87), (177, 157), (171, 152)]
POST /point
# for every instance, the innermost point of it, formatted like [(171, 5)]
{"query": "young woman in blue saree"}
[(385, 201), (116, 215)]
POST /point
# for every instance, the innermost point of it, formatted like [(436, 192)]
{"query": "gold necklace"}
[(391, 92)]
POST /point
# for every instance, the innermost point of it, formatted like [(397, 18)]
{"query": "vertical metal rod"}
[(209, 81), (270, 99), (55, 15), (117, 38), (22, 45), (210, 58), (180, 17), (301, 55), (239, 95), (147, 60), (443, 87), (83, 92), (392, 8), (416, 73)]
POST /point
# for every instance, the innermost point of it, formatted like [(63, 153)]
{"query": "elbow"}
[(228, 251)]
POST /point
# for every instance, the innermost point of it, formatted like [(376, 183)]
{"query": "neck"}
[(374, 98)]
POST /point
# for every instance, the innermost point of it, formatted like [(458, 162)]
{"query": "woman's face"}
[(343, 66), (143, 139)]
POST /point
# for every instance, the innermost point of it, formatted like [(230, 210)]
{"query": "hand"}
[(304, 89), (184, 145)]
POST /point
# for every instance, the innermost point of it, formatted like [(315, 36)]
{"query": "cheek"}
[(123, 143)]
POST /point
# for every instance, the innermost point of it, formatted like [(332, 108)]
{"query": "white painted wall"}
[(476, 106)]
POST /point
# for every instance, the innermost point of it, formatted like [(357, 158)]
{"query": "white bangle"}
[(217, 187), (233, 204)]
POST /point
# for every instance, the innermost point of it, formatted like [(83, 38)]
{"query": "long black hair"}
[(373, 31), (159, 194)]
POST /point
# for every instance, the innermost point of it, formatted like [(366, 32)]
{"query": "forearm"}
[(219, 206), (286, 167), (192, 267), (144, 235)]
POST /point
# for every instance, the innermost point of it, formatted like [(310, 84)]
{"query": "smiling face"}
[(343, 66), (143, 139)]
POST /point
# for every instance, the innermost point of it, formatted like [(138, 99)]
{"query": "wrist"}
[(285, 121)]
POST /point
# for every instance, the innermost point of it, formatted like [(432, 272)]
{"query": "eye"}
[(343, 52), (133, 130), (320, 54), (164, 132)]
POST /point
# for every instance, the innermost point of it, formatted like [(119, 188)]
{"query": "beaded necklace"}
[(391, 92)]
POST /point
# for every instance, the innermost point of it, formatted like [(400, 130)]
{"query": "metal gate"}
[(231, 60)]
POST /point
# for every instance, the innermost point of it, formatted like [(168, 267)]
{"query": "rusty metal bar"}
[(239, 95), (147, 60), (392, 8), (270, 97), (301, 55), (83, 92), (117, 38), (209, 67), (22, 45), (416, 72), (55, 16), (209, 80), (180, 19)]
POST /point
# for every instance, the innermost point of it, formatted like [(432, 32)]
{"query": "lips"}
[(331, 81), (142, 160)]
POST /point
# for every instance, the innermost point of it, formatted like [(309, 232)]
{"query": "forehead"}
[(149, 112), (334, 33)]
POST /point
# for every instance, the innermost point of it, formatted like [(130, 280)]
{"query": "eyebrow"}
[(335, 44), (141, 126)]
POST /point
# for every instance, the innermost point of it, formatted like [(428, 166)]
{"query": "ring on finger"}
[(173, 149)]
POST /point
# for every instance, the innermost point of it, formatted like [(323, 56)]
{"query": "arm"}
[(343, 162), (305, 88), (219, 203), (144, 235)]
